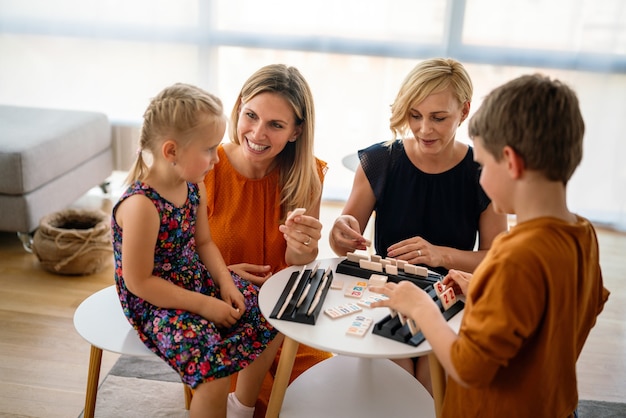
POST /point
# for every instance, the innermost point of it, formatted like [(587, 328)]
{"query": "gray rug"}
[(597, 409), (147, 387), (140, 388)]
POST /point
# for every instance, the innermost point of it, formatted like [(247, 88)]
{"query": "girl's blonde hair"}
[(430, 76), (175, 112), (299, 181)]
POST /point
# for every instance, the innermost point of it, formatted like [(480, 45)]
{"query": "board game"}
[(394, 325), (353, 268), (302, 299), (401, 329)]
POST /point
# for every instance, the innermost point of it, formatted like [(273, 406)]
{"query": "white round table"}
[(339, 375)]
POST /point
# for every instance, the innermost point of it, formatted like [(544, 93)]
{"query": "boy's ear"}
[(515, 162)]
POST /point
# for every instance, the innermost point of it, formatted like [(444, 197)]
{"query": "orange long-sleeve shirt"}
[(530, 307)]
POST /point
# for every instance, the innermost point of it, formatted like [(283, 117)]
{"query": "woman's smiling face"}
[(266, 123)]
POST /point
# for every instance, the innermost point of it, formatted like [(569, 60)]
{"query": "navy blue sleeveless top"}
[(443, 208)]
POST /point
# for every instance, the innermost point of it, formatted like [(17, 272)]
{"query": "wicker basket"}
[(74, 242)]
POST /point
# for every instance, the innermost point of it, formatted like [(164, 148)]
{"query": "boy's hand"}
[(404, 297), (459, 280)]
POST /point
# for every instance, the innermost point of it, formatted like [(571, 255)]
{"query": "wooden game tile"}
[(371, 265), (391, 269), (354, 257), (448, 298)]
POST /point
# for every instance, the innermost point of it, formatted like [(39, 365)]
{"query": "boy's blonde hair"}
[(174, 113), (299, 181), (539, 118), (431, 76)]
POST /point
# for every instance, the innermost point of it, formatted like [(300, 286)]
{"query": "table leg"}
[(438, 379), (281, 380), (95, 360)]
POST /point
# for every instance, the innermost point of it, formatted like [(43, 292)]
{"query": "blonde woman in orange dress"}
[(266, 171)]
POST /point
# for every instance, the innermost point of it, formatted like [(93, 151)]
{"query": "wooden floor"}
[(43, 361)]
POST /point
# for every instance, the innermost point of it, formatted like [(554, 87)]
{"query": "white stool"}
[(99, 319), (351, 161)]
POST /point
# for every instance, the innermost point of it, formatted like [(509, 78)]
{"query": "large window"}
[(566, 26), (113, 55)]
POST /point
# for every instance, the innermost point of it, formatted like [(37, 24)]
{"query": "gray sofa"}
[(48, 159)]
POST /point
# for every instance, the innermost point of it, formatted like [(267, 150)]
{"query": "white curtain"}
[(113, 55)]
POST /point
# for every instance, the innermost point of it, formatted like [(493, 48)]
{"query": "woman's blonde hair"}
[(299, 181), (430, 76), (175, 112)]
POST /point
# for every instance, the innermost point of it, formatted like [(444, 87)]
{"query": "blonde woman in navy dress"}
[(174, 286), (423, 184)]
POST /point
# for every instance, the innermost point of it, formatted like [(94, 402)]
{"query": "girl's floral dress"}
[(194, 347)]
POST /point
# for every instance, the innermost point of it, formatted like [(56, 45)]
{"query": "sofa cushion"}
[(39, 145), (22, 213)]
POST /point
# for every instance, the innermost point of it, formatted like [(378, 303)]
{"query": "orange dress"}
[(244, 215)]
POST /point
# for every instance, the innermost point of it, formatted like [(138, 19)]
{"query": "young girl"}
[(172, 281)]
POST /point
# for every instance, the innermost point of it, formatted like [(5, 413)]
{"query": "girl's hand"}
[(231, 295), (220, 312), (345, 235), (254, 273), (416, 250), (459, 280), (302, 233)]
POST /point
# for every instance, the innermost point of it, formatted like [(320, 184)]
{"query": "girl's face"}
[(266, 123), (434, 121), (199, 156)]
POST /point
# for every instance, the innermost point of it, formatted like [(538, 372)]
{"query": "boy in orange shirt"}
[(533, 300)]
